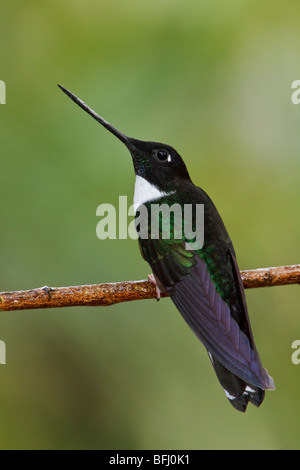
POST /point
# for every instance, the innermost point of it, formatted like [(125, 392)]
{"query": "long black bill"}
[(107, 125)]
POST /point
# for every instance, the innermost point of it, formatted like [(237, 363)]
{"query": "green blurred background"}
[(211, 78)]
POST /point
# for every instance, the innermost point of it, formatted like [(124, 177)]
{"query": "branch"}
[(109, 294)]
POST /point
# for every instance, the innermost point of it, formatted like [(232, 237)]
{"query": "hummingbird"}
[(203, 282)]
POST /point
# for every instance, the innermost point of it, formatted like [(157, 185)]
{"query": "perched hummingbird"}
[(204, 283)]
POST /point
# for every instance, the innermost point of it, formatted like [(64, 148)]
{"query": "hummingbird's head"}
[(157, 163)]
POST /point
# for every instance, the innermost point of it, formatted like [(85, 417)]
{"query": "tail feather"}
[(238, 392)]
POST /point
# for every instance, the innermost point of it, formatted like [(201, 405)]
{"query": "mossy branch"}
[(113, 293)]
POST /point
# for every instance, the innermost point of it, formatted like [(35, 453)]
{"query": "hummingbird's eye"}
[(163, 155)]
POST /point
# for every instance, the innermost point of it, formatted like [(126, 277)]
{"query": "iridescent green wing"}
[(204, 285)]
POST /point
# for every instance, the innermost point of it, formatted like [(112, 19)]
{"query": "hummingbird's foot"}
[(152, 279)]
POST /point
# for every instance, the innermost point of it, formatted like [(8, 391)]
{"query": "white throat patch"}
[(146, 192)]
